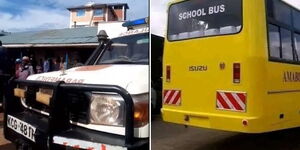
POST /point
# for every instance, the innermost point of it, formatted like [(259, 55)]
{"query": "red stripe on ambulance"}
[(234, 101), (172, 97)]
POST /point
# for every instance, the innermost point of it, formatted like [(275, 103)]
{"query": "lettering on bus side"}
[(197, 68), (291, 76)]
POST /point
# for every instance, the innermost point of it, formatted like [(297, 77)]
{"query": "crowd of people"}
[(21, 68), (28, 66)]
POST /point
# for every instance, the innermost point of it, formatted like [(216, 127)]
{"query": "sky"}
[(35, 15), (295, 3), (158, 14)]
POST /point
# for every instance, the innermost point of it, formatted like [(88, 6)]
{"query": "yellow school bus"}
[(232, 65)]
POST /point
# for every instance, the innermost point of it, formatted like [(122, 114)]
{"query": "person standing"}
[(46, 65), (51, 64), (33, 62), (5, 70), (78, 63), (56, 64), (3, 60), (26, 69), (18, 67)]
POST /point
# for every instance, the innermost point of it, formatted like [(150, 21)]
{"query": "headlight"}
[(107, 109)]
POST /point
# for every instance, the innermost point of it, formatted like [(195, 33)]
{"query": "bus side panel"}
[(283, 96)]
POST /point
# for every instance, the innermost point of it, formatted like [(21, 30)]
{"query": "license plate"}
[(21, 127)]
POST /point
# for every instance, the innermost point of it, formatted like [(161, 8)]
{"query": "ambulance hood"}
[(133, 78)]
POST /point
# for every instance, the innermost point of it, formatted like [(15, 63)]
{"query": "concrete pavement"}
[(168, 136), (4, 144)]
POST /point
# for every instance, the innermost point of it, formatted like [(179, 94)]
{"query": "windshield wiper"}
[(120, 61), (124, 60)]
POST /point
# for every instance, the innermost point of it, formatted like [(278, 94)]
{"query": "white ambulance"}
[(103, 105)]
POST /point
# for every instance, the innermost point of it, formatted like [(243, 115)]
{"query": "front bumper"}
[(36, 120), (78, 137), (55, 131)]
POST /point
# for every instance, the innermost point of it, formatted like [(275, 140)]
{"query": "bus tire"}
[(156, 102)]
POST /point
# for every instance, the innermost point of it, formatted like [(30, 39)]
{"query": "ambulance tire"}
[(22, 146), (1, 104), (144, 147)]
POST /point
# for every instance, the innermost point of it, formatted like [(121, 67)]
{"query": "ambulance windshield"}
[(133, 49)]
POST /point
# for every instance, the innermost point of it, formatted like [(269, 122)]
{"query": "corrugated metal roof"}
[(2, 33), (58, 36)]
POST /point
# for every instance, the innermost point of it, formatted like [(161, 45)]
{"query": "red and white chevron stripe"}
[(235, 101), (172, 97)]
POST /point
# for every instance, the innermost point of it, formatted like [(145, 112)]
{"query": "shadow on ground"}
[(168, 136), (4, 144), (7, 147), (1, 124), (279, 140)]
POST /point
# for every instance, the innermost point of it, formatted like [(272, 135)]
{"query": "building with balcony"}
[(92, 14)]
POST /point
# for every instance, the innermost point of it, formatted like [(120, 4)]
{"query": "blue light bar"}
[(135, 22)]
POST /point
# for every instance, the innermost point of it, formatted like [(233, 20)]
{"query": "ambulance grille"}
[(31, 100), (78, 106)]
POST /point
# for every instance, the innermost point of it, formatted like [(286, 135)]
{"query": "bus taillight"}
[(236, 73), (168, 73)]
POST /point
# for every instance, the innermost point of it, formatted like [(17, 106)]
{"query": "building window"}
[(80, 12), (98, 12)]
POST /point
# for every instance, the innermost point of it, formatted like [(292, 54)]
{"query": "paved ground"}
[(166, 136), (4, 144)]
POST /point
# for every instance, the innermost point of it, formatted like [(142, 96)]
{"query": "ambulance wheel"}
[(1, 103), (22, 146)]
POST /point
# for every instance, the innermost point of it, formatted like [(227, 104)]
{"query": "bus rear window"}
[(202, 18)]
